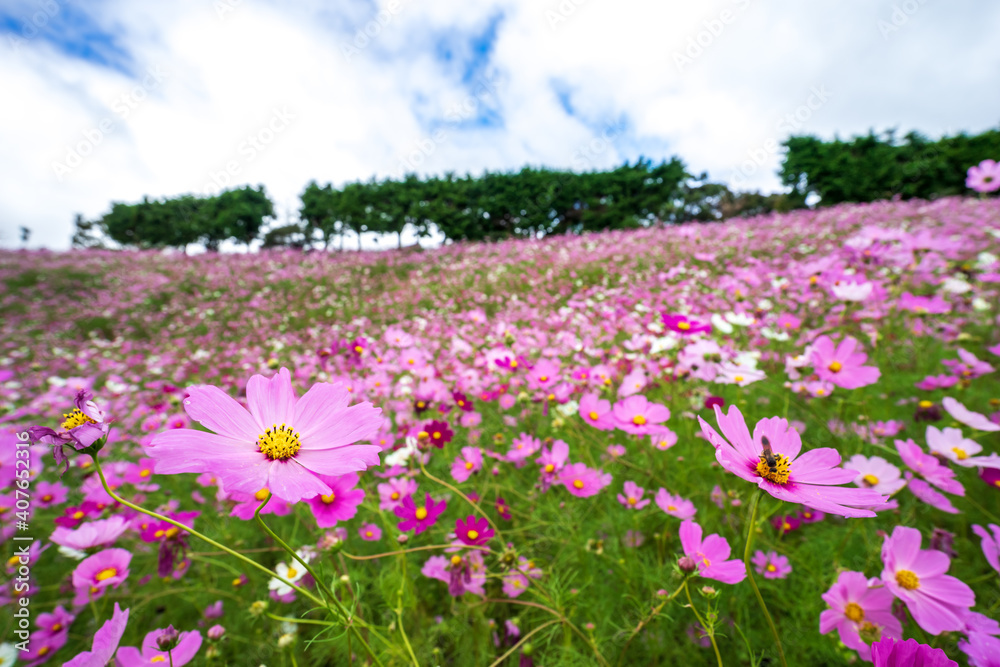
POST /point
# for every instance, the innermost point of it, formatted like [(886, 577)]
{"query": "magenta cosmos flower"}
[(929, 467), (470, 461), (808, 479), (910, 653), (340, 504), (990, 544), (771, 564), (582, 481), (675, 506), (937, 602), (103, 569), (370, 532), (597, 412), (105, 644), (184, 652), (842, 365), (282, 443), (983, 177), (419, 518), (636, 415), (859, 607), (684, 325), (709, 555), (473, 531)]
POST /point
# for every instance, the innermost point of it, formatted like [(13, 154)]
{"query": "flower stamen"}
[(279, 443)]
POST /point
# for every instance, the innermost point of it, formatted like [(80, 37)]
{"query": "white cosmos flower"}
[(852, 291), (292, 573), (771, 334), (662, 344), (720, 324), (955, 286), (8, 655), (568, 408), (740, 319)]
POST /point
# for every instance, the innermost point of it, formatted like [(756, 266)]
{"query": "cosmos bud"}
[(168, 640), (687, 564)]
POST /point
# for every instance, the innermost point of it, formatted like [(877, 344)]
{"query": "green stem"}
[(399, 614), (751, 527), (643, 622), (192, 531), (708, 631), (525, 638), (406, 551)]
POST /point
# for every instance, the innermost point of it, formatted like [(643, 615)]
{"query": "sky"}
[(110, 101)]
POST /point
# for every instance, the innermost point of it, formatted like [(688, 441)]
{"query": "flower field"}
[(766, 442)]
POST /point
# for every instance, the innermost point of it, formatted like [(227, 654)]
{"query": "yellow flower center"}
[(262, 494), (105, 574), (778, 475), (461, 403), (870, 480), (771, 567), (835, 366), (56, 627), (473, 534), (925, 404), (593, 415), (44, 651), (395, 495), (854, 612), (738, 378), (436, 435), (577, 484), (632, 501), (279, 443), (158, 658), (421, 513), (76, 418), (513, 364), (359, 349), (549, 467), (291, 573), (160, 533), (544, 378), (237, 581), (469, 465), (12, 561), (78, 515), (960, 453), (683, 326), (145, 473), (638, 420), (671, 508), (328, 499), (907, 580), (368, 533), (456, 560)]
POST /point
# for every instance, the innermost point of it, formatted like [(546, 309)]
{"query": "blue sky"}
[(111, 101)]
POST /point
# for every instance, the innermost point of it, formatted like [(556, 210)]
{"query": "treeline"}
[(534, 202), (871, 167)]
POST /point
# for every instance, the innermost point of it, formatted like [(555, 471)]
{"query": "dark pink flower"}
[(473, 531), (418, 518), (340, 504), (808, 479), (638, 416), (891, 653), (684, 325), (990, 544), (843, 365), (582, 481), (710, 555)]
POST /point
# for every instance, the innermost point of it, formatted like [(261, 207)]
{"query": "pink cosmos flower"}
[(596, 412), (151, 656), (522, 447), (41, 646), (108, 568), (983, 177), (80, 429), (675, 506), (709, 555), (891, 653), (105, 642), (582, 481), (952, 445), (280, 444), (468, 571), (968, 417), (808, 479), (632, 383), (843, 365), (392, 493), (664, 440), (553, 459), (48, 494), (876, 473), (990, 544), (470, 461), (932, 382), (928, 467), (340, 504), (633, 496), (981, 649), (93, 534), (927, 494), (771, 564), (473, 531), (684, 325), (858, 605), (638, 416), (370, 532), (514, 584), (970, 366), (419, 518), (544, 375), (923, 304), (937, 602)]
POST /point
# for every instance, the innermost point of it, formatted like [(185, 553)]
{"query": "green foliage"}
[(873, 166)]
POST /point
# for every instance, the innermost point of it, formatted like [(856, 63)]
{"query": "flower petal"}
[(271, 401), (218, 411)]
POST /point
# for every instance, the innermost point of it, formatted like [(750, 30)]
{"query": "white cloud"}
[(361, 116)]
